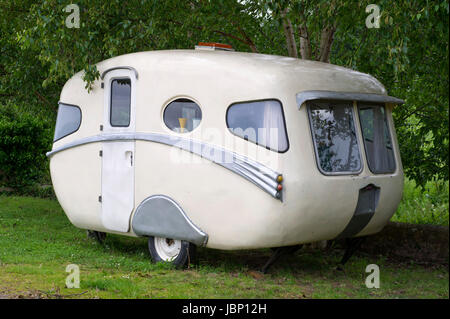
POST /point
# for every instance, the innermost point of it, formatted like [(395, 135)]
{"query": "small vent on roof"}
[(213, 46)]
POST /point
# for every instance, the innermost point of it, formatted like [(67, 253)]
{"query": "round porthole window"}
[(182, 115)]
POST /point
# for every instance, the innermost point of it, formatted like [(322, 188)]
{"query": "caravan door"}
[(118, 155)]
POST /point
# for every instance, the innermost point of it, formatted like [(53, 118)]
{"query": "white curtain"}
[(380, 156), (273, 132)]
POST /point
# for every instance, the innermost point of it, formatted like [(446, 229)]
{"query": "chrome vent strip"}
[(255, 172), (259, 175), (259, 167), (305, 96), (247, 175)]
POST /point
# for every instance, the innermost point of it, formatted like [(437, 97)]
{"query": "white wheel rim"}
[(167, 249)]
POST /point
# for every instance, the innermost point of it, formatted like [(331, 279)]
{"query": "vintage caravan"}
[(226, 150)]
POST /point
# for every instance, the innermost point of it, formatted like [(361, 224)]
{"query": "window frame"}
[(256, 142), (110, 100), (79, 124), (174, 100), (313, 139), (389, 129)]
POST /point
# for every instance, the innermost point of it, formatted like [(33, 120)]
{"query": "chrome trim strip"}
[(247, 175), (91, 139), (305, 96), (261, 176), (118, 68), (257, 173)]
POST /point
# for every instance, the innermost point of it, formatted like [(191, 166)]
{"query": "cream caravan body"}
[(146, 178)]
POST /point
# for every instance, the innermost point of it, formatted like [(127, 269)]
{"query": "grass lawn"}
[(37, 242)]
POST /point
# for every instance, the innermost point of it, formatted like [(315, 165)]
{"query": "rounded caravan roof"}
[(300, 75)]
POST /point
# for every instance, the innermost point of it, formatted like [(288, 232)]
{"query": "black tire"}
[(293, 249), (184, 258), (98, 236)]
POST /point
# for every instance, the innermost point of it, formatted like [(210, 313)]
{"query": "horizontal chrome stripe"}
[(257, 173), (261, 184), (261, 176), (305, 96)]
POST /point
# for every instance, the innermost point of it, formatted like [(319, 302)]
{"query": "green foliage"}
[(24, 140), (21, 71), (428, 205), (108, 28), (408, 53)]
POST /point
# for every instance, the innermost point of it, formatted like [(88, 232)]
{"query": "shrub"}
[(24, 140), (427, 205)]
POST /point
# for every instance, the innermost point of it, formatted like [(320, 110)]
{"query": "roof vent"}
[(212, 46)]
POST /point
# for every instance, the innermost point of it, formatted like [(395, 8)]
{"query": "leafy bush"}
[(24, 140), (428, 205)]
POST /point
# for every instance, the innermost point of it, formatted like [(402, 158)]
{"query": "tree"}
[(408, 53), (21, 72)]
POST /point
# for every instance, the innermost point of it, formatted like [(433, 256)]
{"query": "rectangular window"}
[(261, 122), (120, 106), (68, 120), (334, 137), (377, 139)]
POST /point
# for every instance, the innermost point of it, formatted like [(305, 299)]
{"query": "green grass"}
[(37, 242), (424, 206)]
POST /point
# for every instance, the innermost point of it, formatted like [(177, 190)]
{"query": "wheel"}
[(97, 235), (178, 252)]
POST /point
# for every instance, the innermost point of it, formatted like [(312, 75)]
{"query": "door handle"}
[(130, 153)]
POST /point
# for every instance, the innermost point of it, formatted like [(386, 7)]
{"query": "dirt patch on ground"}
[(23, 295), (420, 243)]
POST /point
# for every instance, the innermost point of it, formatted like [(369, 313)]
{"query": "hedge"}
[(24, 140)]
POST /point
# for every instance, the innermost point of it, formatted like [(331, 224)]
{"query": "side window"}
[(260, 122), (182, 115), (120, 105), (377, 139), (68, 120), (334, 136)]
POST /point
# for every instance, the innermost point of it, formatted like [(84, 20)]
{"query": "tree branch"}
[(43, 99), (326, 40), (289, 34), (250, 43), (417, 110), (228, 35), (305, 43)]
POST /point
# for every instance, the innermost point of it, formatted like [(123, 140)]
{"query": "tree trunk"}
[(305, 43), (290, 37), (326, 40)]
